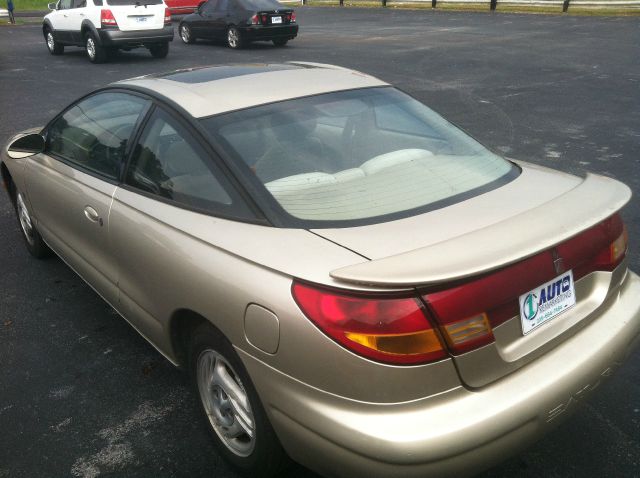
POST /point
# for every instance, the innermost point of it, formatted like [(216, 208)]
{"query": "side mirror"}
[(26, 146), (52, 6)]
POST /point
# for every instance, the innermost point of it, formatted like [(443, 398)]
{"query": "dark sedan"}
[(239, 22)]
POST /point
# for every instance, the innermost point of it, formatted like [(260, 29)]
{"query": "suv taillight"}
[(393, 330), (167, 17), (107, 19)]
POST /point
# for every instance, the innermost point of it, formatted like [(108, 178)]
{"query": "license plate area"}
[(140, 18), (546, 302), (276, 20)]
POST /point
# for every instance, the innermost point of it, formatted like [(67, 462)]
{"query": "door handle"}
[(92, 215)]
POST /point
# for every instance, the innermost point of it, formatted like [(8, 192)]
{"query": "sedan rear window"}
[(357, 157), (260, 5)]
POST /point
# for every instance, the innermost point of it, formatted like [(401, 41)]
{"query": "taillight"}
[(107, 19), (293, 16), (265, 19), (167, 17), (386, 329), (255, 20)]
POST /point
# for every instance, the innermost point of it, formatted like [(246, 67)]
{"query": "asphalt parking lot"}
[(81, 394)]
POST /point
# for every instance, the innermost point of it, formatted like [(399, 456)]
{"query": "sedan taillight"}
[(255, 20), (386, 329), (292, 18), (107, 19)]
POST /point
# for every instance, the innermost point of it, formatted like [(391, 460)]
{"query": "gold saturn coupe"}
[(351, 281)]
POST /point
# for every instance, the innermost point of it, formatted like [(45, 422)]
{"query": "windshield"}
[(357, 157)]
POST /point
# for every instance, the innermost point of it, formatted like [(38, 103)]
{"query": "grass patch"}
[(24, 5)]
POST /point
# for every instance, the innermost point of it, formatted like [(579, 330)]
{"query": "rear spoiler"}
[(590, 202)]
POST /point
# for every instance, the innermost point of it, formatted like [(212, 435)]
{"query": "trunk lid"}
[(524, 219), (134, 15)]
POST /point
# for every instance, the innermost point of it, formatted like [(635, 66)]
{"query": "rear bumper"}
[(135, 38), (459, 431), (258, 32)]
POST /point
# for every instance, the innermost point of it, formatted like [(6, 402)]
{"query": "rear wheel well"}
[(7, 180), (182, 324)]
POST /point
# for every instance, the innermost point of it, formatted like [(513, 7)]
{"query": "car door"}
[(70, 186), (172, 183), (61, 21), (219, 20), (202, 27), (75, 16)]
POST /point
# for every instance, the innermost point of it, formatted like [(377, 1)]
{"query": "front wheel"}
[(237, 421), (186, 35), (54, 47), (95, 52), (35, 244), (234, 38), (280, 41)]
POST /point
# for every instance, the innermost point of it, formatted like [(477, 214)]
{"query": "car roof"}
[(210, 90)]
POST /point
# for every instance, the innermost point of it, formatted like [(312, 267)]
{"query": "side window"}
[(94, 133), (65, 4), (209, 7), (79, 3), (169, 163)]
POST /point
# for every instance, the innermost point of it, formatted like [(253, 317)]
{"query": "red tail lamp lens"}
[(107, 19), (390, 330), (293, 16), (167, 17), (255, 20)]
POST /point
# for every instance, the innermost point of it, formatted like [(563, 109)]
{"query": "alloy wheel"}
[(185, 34), (91, 48), (50, 41), (25, 219), (233, 38), (226, 403)]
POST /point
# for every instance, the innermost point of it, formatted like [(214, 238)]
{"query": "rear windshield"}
[(133, 2), (356, 157), (261, 5)]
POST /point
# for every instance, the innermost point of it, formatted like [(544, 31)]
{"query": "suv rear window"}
[(133, 2), (356, 157)]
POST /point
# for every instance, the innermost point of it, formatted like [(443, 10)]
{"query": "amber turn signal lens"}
[(424, 342)]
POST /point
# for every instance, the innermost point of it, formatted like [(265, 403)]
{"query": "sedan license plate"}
[(547, 301), (276, 19)]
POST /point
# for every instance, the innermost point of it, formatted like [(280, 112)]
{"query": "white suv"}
[(104, 26)]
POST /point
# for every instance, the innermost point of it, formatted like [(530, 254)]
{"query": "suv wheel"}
[(54, 47), (95, 52), (159, 51), (234, 38)]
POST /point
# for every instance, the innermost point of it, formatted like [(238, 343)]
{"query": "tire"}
[(186, 35), (242, 435), (234, 38), (280, 41), (160, 50), (53, 46), (95, 52), (32, 238)]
